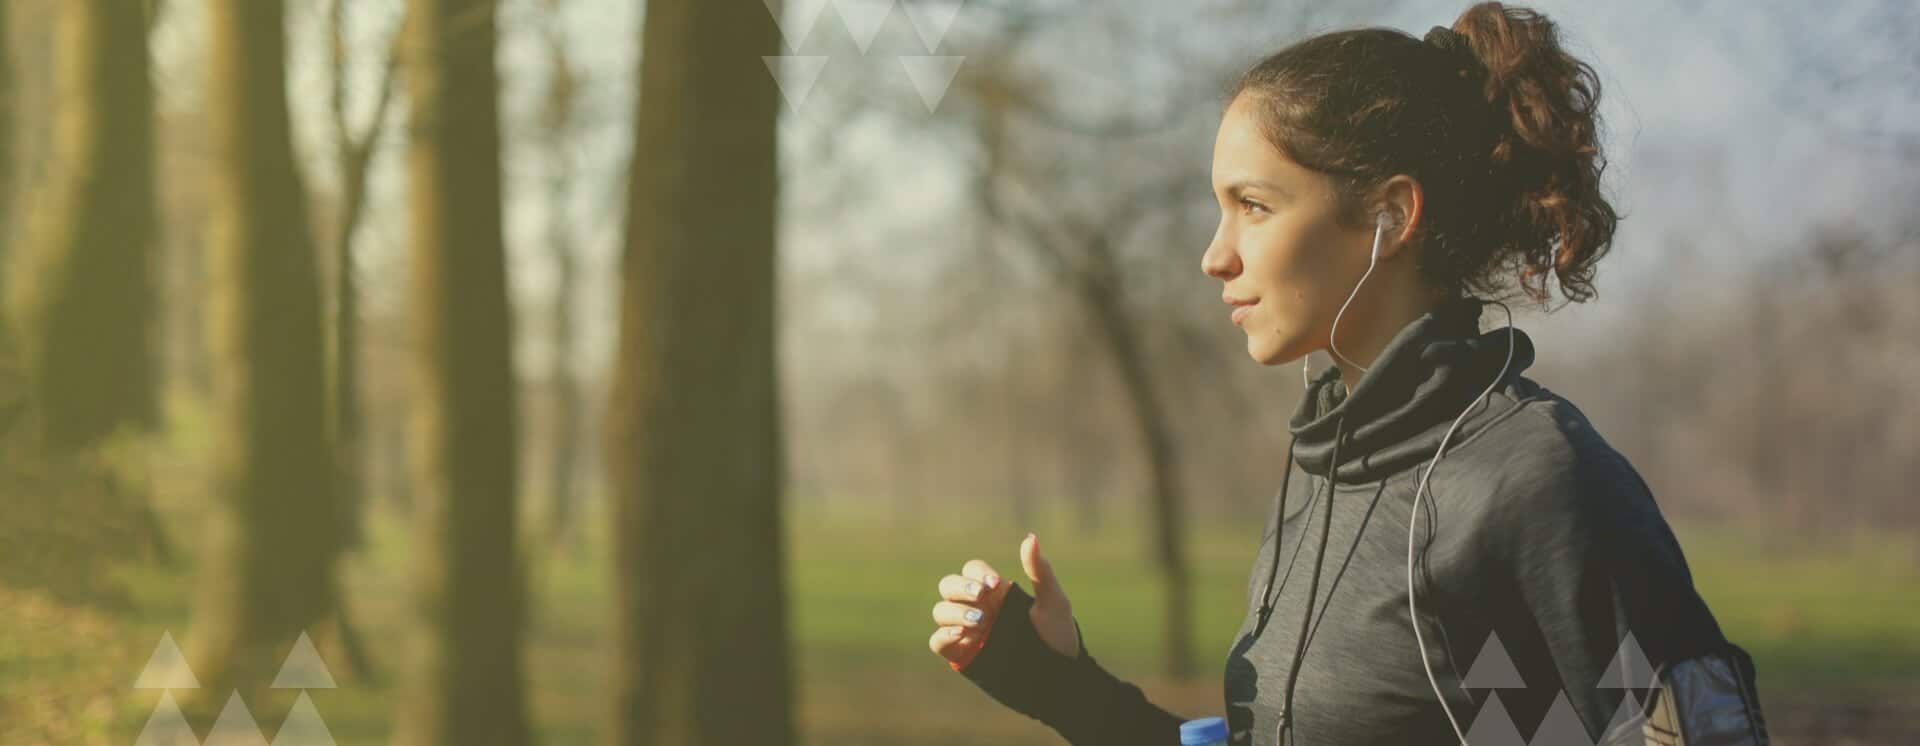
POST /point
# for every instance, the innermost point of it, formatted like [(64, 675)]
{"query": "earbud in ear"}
[(1381, 221)]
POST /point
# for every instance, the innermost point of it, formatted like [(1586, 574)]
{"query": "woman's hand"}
[(972, 599)]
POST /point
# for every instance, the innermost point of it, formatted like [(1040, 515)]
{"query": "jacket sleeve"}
[(1074, 696), (1601, 591)]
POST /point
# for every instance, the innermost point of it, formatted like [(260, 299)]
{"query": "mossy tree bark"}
[(469, 686), (694, 442), (268, 574)]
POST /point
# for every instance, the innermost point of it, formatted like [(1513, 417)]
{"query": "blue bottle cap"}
[(1203, 732)]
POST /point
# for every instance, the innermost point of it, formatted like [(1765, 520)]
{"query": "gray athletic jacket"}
[(1554, 604)]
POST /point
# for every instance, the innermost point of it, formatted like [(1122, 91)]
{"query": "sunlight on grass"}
[(862, 589)]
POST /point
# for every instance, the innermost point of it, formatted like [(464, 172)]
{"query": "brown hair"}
[(1497, 122)]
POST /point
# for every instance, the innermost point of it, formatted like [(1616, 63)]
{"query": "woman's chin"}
[(1266, 351)]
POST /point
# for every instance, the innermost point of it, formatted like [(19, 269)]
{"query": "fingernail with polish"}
[(973, 615), (993, 581)]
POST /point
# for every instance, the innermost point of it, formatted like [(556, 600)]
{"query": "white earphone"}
[(1381, 222)]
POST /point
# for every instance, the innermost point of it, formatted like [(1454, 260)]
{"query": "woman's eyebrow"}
[(1239, 186)]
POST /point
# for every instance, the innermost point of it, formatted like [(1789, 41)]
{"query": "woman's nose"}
[(1219, 261)]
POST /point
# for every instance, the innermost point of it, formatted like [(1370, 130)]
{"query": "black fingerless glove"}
[(1074, 696)]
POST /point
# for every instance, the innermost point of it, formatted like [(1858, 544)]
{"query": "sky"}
[(1723, 124)]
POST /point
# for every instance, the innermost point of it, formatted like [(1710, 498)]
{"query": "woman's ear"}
[(1400, 205)]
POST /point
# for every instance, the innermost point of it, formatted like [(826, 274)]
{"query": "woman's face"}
[(1287, 264)]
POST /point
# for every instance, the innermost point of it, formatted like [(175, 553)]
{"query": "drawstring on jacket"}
[(1319, 562)]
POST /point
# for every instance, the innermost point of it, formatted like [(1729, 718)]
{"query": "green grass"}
[(1821, 622)]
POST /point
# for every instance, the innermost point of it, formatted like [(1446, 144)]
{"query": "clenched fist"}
[(971, 600)]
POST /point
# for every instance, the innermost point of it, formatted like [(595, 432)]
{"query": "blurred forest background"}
[(596, 371)]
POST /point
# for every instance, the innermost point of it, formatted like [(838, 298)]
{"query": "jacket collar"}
[(1433, 368)]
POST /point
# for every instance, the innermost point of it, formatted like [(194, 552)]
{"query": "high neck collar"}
[(1431, 370)]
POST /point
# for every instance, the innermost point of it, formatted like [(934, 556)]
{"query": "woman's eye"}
[(1250, 206)]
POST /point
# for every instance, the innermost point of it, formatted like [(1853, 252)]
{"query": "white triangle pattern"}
[(931, 21), (167, 726), (303, 726), (795, 74), (235, 726), (795, 18), (167, 668), (931, 76), (303, 668), (863, 19)]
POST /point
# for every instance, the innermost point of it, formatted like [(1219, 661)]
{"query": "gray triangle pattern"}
[(1493, 669), (1624, 729), (167, 726), (1629, 669), (1561, 726), (1494, 726)]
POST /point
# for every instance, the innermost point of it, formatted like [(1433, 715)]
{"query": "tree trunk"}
[(1156, 434), (349, 430), (268, 576), (83, 295), (466, 461), (695, 454), (8, 145), (558, 143), (353, 152)]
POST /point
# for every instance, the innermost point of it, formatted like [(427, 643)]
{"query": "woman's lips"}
[(1240, 312)]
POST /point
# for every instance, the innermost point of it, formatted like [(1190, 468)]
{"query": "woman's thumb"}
[(1039, 570)]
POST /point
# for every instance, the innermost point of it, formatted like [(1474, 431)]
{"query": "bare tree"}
[(694, 448), (269, 575), (559, 128), (83, 294), (353, 151), (8, 94), (466, 465)]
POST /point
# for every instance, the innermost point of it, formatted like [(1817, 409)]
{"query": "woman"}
[(1480, 565)]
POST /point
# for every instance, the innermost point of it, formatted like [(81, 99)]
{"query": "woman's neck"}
[(1361, 337)]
